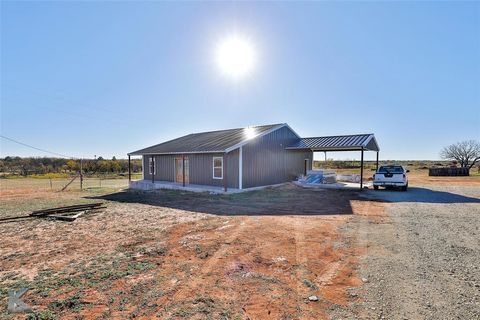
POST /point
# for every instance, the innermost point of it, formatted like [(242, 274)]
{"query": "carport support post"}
[(361, 171), (183, 169), (129, 170), (376, 166)]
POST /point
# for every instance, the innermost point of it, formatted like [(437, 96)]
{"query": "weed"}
[(200, 251), (182, 313), (159, 251), (72, 303), (123, 302), (309, 284), (42, 315), (140, 266)]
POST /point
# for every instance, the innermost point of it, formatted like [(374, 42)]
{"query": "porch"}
[(146, 185)]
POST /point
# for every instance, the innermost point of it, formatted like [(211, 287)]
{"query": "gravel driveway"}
[(423, 260)]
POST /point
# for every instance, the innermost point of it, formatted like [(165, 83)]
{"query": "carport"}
[(356, 142)]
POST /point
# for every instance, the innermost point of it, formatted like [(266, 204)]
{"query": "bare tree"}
[(467, 153)]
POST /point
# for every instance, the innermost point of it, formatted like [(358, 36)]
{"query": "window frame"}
[(213, 168)]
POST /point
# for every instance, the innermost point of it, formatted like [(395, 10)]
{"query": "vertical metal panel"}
[(165, 168), (232, 169), (201, 169), (265, 160)]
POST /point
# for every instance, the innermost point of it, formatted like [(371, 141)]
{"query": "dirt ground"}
[(173, 255), (180, 255), (423, 261)]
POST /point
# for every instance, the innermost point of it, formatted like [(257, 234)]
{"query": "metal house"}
[(234, 159)]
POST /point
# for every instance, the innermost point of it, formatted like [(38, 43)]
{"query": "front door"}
[(179, 170)]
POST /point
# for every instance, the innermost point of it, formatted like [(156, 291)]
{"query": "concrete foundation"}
[(147, 185)]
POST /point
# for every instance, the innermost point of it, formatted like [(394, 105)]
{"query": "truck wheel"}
[(404, 188), (375, 187)]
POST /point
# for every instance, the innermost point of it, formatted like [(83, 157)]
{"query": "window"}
[(390, 169), (217, 168), (150, 159)]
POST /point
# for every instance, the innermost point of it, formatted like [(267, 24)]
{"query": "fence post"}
[(81, 175)]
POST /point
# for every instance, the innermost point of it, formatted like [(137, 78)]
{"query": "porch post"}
[(377, 161), (183, 169), (153, 169), (225, 172), (361, 171), (129, 170), (325, 156)]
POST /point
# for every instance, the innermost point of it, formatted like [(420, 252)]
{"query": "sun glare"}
[(235, 56), (250, 133)]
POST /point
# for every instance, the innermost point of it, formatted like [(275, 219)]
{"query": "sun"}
[(235, 56)]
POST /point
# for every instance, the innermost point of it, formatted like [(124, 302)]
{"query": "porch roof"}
[(354, 142)]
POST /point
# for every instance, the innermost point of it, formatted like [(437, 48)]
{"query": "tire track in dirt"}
[(215, 262)]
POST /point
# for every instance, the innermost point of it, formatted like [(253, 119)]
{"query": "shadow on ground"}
[(284, 200), (424, 195)]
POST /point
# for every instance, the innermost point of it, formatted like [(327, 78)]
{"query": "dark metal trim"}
[(183, 170), (361, 172), (129, 170)]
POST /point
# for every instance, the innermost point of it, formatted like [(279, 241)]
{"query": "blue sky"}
[(107, 78)]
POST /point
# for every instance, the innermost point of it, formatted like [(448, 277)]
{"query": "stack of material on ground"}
[(68, 213), (319, 177), (348, 178)]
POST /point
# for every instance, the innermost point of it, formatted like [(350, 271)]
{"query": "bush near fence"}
[(451, 172)]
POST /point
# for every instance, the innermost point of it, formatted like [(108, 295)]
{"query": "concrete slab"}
[(338, 185), (147, 185)]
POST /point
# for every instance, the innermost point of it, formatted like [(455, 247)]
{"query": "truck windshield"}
[(390, 169)]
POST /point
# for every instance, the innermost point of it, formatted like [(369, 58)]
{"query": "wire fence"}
[(56, 184)]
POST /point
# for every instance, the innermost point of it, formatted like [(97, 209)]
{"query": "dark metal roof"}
[(338, 143), (209, 142)]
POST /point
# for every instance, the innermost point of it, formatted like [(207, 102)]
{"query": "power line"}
[(30, 146)]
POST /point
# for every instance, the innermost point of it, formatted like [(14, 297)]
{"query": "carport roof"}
[(354, 142)]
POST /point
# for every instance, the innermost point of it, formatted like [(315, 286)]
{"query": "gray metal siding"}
[(266, 162), (200, 168), (165, 168)]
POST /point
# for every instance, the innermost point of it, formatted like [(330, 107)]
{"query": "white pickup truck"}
[(391, 176)]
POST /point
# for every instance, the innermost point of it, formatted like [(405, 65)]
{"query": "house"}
[(236, 159)]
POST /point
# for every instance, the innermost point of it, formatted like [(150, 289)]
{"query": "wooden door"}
[(179, 170)]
